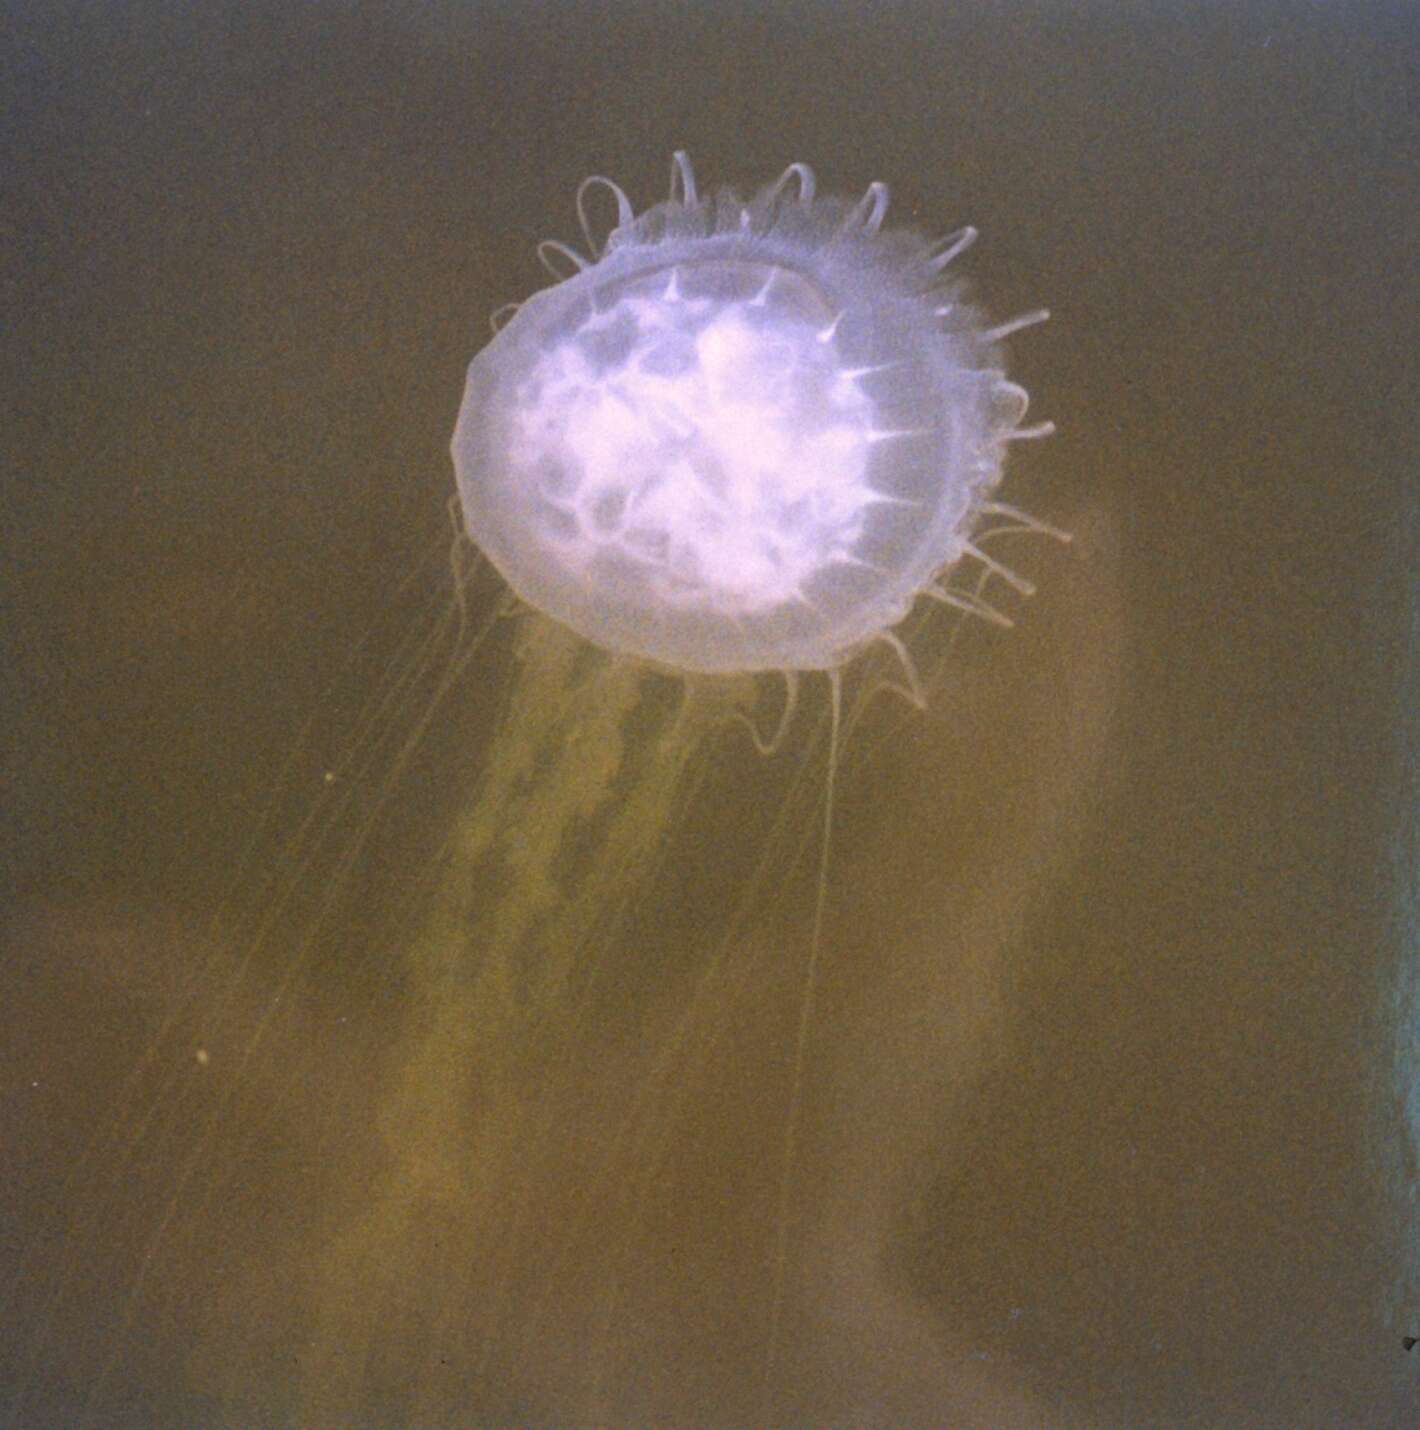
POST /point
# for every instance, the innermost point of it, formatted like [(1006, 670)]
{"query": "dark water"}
[(1128, 927)]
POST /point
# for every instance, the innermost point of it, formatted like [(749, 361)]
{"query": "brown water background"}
[(247, 252)]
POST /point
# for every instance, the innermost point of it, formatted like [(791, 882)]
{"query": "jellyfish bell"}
[(741, 436)]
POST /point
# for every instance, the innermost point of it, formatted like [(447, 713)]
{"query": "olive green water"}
[(1108, 1105)]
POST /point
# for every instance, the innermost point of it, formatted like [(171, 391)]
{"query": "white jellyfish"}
[(741, 438)]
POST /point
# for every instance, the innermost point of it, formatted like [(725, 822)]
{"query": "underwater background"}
[(1115, 1058)]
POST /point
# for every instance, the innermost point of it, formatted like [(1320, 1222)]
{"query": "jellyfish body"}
[(747, 437)]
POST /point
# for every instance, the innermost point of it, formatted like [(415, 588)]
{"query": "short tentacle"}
[(625, 214), (803, 174), (554, 246), (500, 317), (952, 246), (775, 742), (1014, 325), (996, 568), (972, 605), (869, 212), (1014, 402), (912, 691), (683, 180), (1031, 433), (1031, 523)]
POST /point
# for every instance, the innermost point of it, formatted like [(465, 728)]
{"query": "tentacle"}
[(996, 568), (625, 214), (554, 246), (1014, 325), (1014, 400), (793, 1114), (869, 212), (972, 605), (775, 742), (463, 554), (912, 691), (1029, 434), (803, 174), (1031, 523), (499, 318), (683, 181), (952, 246)]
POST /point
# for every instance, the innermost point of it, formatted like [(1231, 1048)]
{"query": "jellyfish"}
[(736, 442), (737, 446)]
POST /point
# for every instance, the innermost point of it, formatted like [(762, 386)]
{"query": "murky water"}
[(1107, 1112)]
